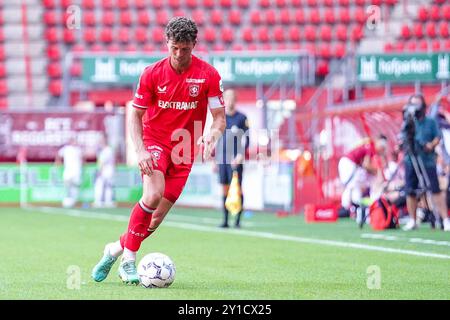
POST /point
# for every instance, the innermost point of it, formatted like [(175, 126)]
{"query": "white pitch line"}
[(258, 234)]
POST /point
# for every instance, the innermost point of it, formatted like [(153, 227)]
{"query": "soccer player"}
[(103, 189), (166, 124), (71, 156), (231, 150)]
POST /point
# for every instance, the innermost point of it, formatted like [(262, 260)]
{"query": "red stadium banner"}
[(41, 134)]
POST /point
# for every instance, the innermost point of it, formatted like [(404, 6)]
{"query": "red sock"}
[(137, 231)]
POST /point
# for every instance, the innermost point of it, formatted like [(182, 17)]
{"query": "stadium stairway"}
[(24, 82)]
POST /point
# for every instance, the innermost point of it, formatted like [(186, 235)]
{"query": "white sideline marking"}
[(412, 240), (258, 234)]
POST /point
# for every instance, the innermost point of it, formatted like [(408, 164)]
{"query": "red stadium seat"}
[(322, 68), (255, 17), (294, 33), (388, 47), (179, 13), (435, 13), (89, 18), (243, 4), (106, 35), (443, 29), (2, 53), (278, 34), (53, 52), (123, 4), (50, 18), (108, 18), (148, 47), (162, 18), (310, 32), (329, 16), (76, 69), (263, 34), (270, 17), (247, 34), (157, 4), (174, 4), (339, 50), (312, 3), (143, 18), (54, 70), (447, 44), (325, 32), (191, 4), (3, 103), (360, 15), (3, 88), (140, 4), (52, 35), (328, 3), (199, 17), (422, 14), (126, 18), (226, 4), (344, 15), (131, 47), (299, 16), (399, 46), (209, 4), (216, 17), (405, 32), (344, 3), (341, 32), (446, 12), (423, 45), (237, 47), (314, 16), (55, 88), (210, 34), (430, 30), (218, 47), (285, 16), (264, 3), (114, 47), (158, 35), (123, 35), (227, 35), (418, 30), (2, 70), (107, 4), (77, 48), (66, 3), (411, 46), (234, 17), (89, 35), (357, 32), (49, 4), (141, 35), (360, 2), (324, 51), (280, 3), (435, 45)]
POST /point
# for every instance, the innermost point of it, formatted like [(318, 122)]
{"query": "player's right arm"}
[(141, 101)]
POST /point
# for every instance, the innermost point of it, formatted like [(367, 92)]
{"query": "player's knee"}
[(152, 199)]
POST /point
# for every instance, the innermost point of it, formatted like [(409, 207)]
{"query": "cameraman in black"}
[(420, 136)]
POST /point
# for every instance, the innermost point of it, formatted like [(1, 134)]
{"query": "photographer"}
[(421, 135)]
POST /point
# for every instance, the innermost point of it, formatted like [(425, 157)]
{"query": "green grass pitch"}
[(47, 252)]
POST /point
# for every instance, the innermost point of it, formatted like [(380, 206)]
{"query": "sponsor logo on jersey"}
[(191, 80), (177, 105), (194, 90), (162, 89)]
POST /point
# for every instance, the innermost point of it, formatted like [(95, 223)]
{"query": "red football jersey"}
[(358, 154), (177, 101)]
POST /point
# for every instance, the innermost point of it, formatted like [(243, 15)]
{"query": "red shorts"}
[(175, 174)]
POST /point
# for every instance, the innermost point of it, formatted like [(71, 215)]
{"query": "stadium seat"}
[(360, 15), (208, 4), (53, 52), (218, 47), (405, 32), (344, 15), (225, 4), (264, 3), (247, 34), (191, 4), (199, 17), (123, 4), (357, 32), (89, 35), (3, 103), (296, 3), (89, 18), (435, 13), (294, 33), (158, 35), (210, 34), (299, 16), (325, 32), (3, 87), (243, 4), (78, 48), (388, 47), (179, 13), (174, 4), (108, 18), (311, 3), (341, 32), (435, 45), (148, 47), (126, 18), (411, 46), (418, 30), (322, 68), (54, 70), (66, 3), (443, 29), (339, 50), (314, 16), (447, 44), (55, 88), (157, 4), (107, 4), (270, 17), (344, 3), (97, 47), (255, 17), (422, 14), (237, 47), (280, 3), (50, 18), (285, 16), (2, 70), (76, 69), (106, 35), (234, 17), (278, 34), (216, 17), (329, 16), (140, 4), (310, 32), (263, 34), (430, 29), (52, 35), (130, 47), (446, 12), (162, 18), (324, 51), (227, 35), (48, 4), (360, 2), (143, 17), (328, 3)]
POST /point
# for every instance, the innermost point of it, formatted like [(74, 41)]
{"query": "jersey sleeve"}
[(215, 91), (143, 95)]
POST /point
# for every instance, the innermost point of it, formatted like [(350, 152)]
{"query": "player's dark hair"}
[(181, 29)]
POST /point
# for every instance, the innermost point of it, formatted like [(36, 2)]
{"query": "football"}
[(156, 270)]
